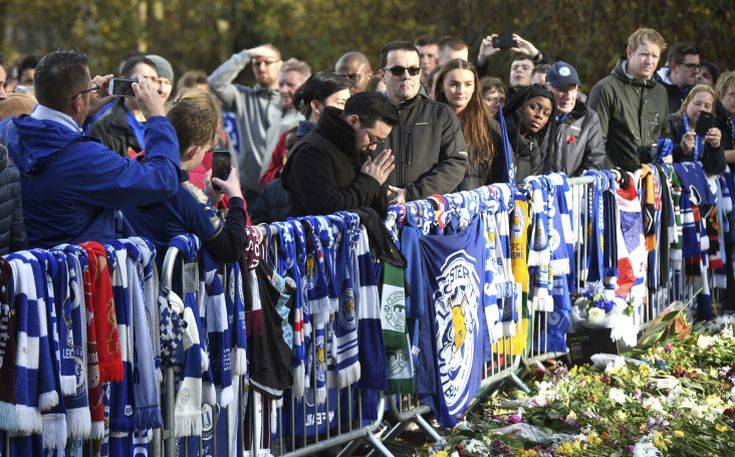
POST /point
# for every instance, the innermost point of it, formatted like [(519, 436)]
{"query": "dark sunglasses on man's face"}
[(398, 71)]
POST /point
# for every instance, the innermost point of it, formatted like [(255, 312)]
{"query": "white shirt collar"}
[(44, 113)]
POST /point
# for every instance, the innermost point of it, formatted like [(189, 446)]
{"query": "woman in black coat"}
[(681, 128), (528, 112)]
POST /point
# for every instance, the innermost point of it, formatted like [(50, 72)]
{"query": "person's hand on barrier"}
[(148, 99), (524, 47), (380, 167), (100, 98), (396, 195), (687, 142), (713, 137), (487, 49), (230, 186)]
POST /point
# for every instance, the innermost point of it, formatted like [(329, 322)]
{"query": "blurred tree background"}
[(195, 34)]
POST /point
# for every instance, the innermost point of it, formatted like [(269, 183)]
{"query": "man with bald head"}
[(257, 108), (357, 67)]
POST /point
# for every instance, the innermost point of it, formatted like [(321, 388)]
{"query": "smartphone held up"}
[(122, 87), (221, 164)]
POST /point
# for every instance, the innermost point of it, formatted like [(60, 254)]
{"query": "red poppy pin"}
[(571, 139)]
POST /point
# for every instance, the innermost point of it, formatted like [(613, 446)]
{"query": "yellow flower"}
[(572, 416), (594, 439), (721, 428), (527, 453), (440, 454), (659, 442), (678, 434)]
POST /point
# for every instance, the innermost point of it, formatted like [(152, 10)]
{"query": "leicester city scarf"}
[(147, 413), (189, 397), (77, 406), (34, 371)]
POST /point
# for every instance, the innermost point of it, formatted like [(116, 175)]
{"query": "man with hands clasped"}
[(331, 169)]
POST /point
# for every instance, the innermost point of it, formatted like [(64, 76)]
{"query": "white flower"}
[(727, 332), (476, 447), (596, 315), (617, 395), (704, 341), (645, 449), (697, 410), (652, 404), (666, 383)]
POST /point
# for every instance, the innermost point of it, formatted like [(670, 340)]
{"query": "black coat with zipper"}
[(114, 132), (429, 149), (12, 226), (322, 174), (632, 115)]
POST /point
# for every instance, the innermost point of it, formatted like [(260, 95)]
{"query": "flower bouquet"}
[(597, 307)]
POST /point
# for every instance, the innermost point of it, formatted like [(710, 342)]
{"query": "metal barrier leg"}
[(378, 446), (428, 429), (519, 383)]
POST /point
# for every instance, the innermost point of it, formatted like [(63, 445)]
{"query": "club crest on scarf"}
[(394, 308), (456, 301)]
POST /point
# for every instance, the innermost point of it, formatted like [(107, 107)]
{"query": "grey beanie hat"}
[(165, 70)]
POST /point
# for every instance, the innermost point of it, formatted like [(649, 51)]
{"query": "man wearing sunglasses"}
[(430, 151), (71, 184), (680, 74), (256, 108)]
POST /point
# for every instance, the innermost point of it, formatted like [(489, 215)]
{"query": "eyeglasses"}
[(374, 140), (691, 66), (398, 70), (91, 89)]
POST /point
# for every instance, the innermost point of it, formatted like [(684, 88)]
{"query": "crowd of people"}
[(77, 164)]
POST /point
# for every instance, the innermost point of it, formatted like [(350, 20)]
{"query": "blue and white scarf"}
[(189, 397), (34, 386)]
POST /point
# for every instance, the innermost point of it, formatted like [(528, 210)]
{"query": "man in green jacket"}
[(632, 106)]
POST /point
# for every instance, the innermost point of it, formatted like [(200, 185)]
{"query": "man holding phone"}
[(70, 183), (521, 68), (196, 117)]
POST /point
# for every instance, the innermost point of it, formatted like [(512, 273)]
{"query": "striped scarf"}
[(539, 256), (34, 389), (190, 394)]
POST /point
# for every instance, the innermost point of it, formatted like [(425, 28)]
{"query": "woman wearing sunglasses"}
[(457, 85)]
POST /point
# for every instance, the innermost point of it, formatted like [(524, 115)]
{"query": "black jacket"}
[(713, 159), (578, 145), (113, 130), (474, 177), (632, 115), (272, 204), (12, 227), (430, 152), (322, 174)]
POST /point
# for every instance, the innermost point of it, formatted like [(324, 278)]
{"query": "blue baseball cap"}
[(561, 74)]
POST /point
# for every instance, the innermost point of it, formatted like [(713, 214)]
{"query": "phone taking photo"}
[(122, 87), (705, 122), (504, 41), (221, 164)]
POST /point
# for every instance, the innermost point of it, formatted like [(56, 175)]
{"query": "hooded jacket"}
[(12, 228), (322, 173), (578, 144), (429, 149), (676, 94), (71, 184), (632, 115), (529, 157)]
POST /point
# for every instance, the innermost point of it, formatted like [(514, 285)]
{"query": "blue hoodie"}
[(71, 184)]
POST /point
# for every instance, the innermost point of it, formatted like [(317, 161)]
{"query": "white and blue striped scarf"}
[(34, 382)]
